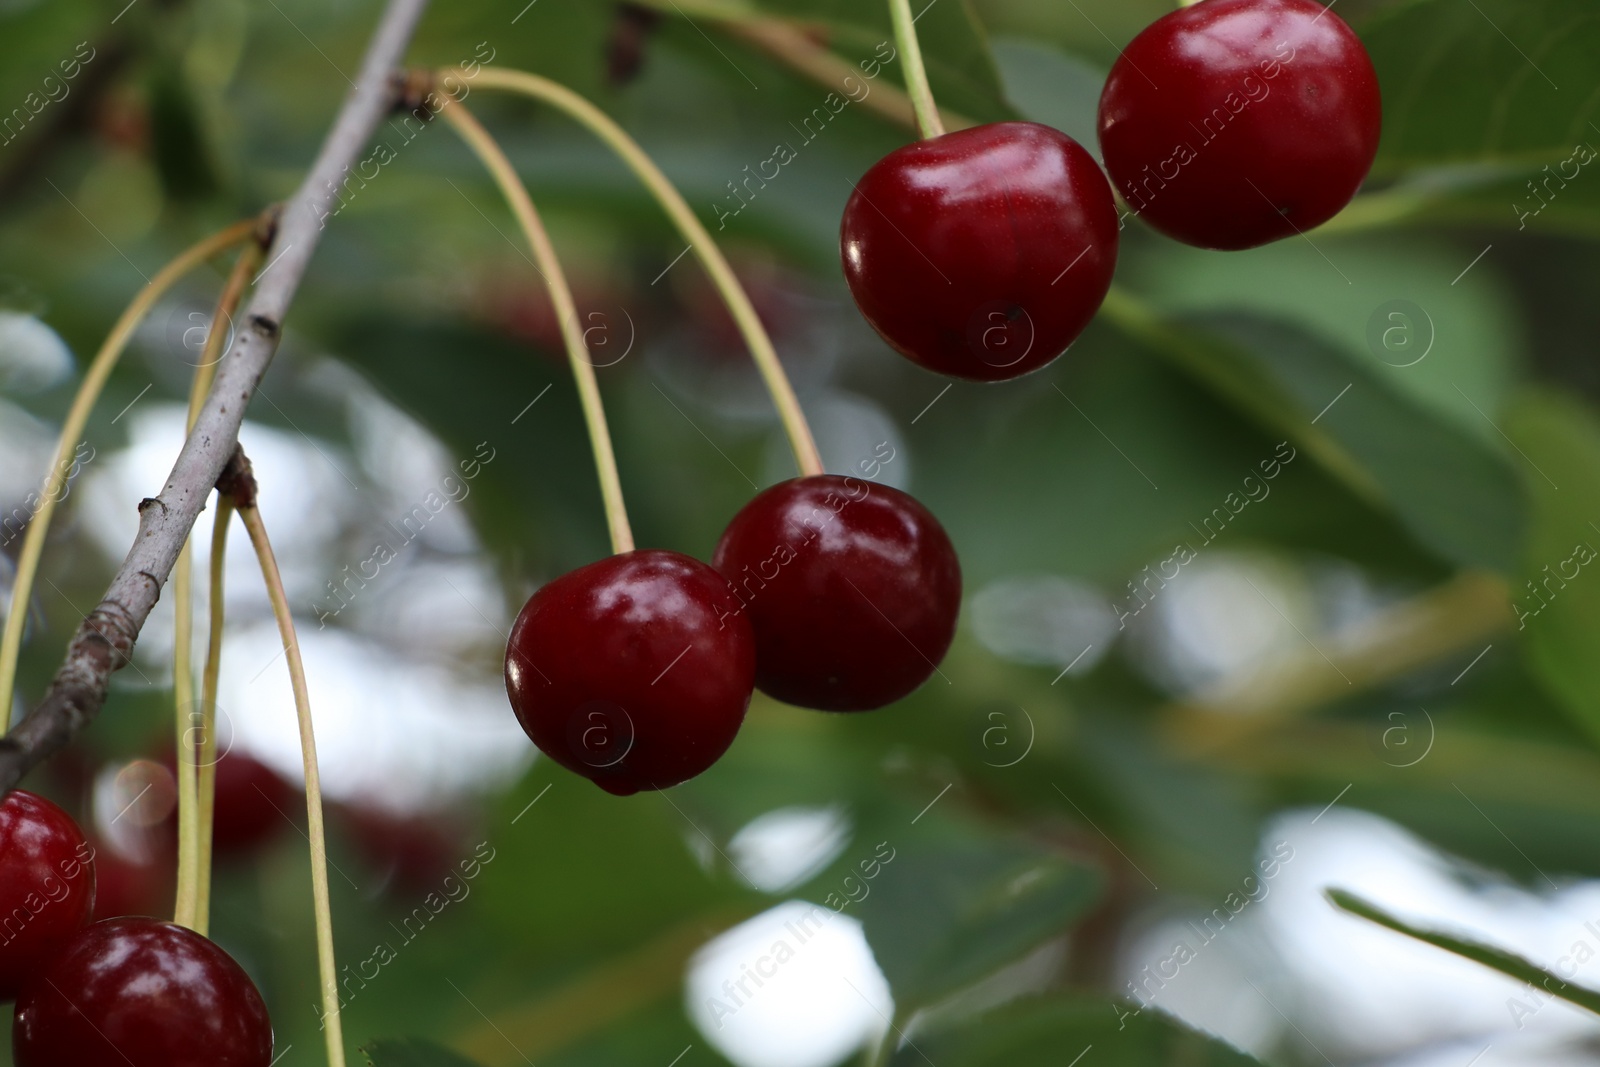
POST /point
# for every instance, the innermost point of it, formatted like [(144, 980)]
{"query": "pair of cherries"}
[(129, 990), (1227, 124), (825, 592)]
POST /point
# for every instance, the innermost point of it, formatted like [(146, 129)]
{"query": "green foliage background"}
[(574, 938)]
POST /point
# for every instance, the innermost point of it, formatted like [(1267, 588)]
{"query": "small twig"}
[(104, 641), (194, 799), (55, 482)]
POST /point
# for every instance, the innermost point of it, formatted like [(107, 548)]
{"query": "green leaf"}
[(958, 901), (177, 138), (1559, 615), (1051, 1031), (557, 821), (1491, 80), (1384, 446), (1507, 963), (412, 1052), (1053, 87), (955, 47)]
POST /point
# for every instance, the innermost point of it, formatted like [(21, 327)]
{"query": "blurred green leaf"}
[(957, 901), (1486, 81), (1050, 86), (413, 1052), (1052, 1031), (1558, 602), (955, 46), (567, 882), (177, 141), (1381, 444)]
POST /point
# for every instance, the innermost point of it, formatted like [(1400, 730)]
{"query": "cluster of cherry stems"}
[(980, 254)]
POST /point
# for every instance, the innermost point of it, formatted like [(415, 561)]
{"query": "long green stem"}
[(193, 798), (905, 39), (333, 1029), (594, 414), (208, 713), (689, 226), (71, 431)]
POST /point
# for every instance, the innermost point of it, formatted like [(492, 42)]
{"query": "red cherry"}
[(852, 590), (983, 253), (46, 886), (144, 993), (125, 886), (252, 804), (1232, 123), (408, 853), (634, 672)]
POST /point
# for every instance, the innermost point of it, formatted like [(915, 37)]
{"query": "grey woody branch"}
[(104, 641)]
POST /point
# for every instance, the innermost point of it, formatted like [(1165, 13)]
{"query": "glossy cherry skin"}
[(46, 886), (983, 253), (1232, 123), (144, 993), (852, 588), (635, 671)]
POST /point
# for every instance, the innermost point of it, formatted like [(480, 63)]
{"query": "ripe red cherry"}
[(852, 590), (46, 886), (982, 253), (634, 672), (144, 993), (1232, 123), (252, 804)]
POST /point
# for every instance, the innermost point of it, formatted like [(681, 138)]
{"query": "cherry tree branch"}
[(104, 641)]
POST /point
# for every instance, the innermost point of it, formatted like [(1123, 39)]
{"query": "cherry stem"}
[(905, 39), (195, 796), (208, 713), (548, 265), (334, 1029), (55, 483), (808, 460)]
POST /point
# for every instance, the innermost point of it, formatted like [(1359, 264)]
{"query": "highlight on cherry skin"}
[(1232, 123), (983, 253), (634, 671), (145, 993), (47, 885), (852, 589)]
